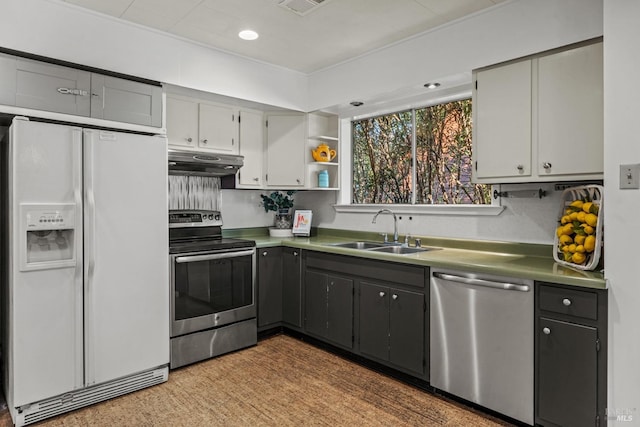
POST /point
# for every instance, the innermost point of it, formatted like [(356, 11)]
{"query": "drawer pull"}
[(381, 294), (546, 331), (265, 253), (566, 302), (394, 296)]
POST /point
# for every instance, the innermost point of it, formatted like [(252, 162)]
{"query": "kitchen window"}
[(420, 156)]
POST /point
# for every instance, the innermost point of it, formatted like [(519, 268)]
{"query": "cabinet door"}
[(291, 292), (269, 286), (567, 373), (374, 320), (340, 311), (48, 87), (570, 112), (315, 303), (218, 130), (286, 136), (502, 121), (182, 122), (126, 101), (8, 79), (406, 336), (252, 148)]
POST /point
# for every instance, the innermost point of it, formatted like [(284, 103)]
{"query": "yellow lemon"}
[(574, 216), (591, 219), (588, 229), (559, 230), (572, 247), (577, 203), (580, 249), (586, 207), (579, 239), (581, 216), (565, 248), (590, 243), (578, 258), (568, 229), (567, 256), (565, 219), (565, 240)]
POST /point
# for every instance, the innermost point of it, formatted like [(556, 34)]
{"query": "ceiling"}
[(330, 32)]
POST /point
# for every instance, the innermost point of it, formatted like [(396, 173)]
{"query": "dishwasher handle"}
[(481, 282)]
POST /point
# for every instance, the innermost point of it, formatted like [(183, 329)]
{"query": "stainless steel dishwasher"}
[(481, 331)]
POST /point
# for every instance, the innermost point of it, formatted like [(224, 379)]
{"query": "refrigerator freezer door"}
[(44, 346), (126, 254)]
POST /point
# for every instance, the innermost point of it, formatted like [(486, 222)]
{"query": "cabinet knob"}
[(381, 294), (520, 168), (566, 302), (546, 331), (256, 179), (394, 296), (298, 180), (546, 165), (189, 139), (204, 141), (264, 253), (295, 253)]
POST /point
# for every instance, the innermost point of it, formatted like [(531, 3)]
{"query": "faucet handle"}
[(406, 239), (418, 243), (385, 237)]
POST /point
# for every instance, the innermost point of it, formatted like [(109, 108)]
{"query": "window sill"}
[(462, 210)]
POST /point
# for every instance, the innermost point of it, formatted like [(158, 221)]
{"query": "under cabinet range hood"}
[(203, 164)]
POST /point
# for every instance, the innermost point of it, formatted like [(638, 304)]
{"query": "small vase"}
[(283, 219)]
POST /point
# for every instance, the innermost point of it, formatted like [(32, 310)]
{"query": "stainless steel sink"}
[(400, 250), (358, 245)]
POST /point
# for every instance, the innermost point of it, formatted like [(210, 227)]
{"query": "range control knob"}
[(211, 216), (217, 217)]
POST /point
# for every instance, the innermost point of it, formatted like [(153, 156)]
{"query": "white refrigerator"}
[(87, 295)]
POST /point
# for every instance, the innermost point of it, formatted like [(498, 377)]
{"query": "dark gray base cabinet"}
[(269, 287), (571, 334), (291, 288), (329, 307), (376, 309), (392, 325)]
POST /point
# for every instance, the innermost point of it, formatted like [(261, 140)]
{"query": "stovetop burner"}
[(199, 230)]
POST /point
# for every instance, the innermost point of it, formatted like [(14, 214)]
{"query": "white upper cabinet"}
[(502, 121), (218, 128), (182, 122), (251, 175), (285, 156), (201, 126), (570, 112), (540, 119)]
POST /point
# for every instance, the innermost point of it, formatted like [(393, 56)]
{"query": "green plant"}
[(277, 200)]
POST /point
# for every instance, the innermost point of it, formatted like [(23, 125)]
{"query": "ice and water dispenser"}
[(47, 236)]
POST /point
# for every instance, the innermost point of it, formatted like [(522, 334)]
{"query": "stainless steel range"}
[(213, 280)]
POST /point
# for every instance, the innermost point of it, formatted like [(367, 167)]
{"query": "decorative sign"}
[(302, 223)]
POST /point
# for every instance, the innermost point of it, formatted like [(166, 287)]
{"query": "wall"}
[(511, 30), (100, 41), (622, 35)]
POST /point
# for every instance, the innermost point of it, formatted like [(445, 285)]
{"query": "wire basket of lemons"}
[(579, 238)]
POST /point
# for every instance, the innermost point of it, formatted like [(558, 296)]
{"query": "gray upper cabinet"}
[(48, 87), (126, 101)]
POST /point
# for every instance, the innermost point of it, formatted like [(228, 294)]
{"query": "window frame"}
[(344, 198)]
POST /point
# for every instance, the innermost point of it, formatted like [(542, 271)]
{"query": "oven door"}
[(212, 289)]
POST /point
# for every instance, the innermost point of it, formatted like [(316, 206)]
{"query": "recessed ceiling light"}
[(248, 35), (356, 103), (431, 85)]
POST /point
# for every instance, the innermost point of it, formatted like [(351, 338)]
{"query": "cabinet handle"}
[(256, 179), (546, 331), (546, 165), (264, 253), (189, 139), (566, 302), (204, 141), (520, 168), (381, 294), (394, 296), (232, 141), (295, 253)]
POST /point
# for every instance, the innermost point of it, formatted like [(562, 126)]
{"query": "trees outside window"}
[(384, 162)]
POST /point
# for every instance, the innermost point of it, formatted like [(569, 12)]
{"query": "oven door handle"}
[(209, 257)]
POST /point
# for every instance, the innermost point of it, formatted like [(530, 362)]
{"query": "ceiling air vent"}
[(300, 7)]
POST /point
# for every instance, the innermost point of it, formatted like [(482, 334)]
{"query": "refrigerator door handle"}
[(78, 244), (90, 246)]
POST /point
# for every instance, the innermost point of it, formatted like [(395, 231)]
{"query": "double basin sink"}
[(392, 248)]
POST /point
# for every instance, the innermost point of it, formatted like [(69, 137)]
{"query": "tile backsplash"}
[(194, 192)]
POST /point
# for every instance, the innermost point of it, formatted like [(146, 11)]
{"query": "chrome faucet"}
[(395, 223)]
